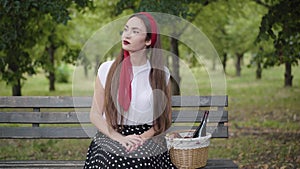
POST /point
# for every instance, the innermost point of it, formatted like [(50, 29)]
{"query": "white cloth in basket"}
[(187, 143)]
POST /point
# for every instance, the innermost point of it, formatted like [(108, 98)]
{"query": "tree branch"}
[(262, 3)]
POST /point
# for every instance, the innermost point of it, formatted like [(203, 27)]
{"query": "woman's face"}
[(134, 35)]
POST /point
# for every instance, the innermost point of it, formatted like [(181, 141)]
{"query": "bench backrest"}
[(68, 117)]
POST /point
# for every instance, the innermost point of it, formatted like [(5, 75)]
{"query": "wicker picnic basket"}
[(188, 152)]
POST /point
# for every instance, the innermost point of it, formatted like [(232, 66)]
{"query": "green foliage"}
[(21, 28), (62, 73), (179, 8), (282, 25), (83, 28), (231, 25)]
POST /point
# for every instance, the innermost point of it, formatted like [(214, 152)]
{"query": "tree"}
[(85, 26), (282, 25), (232, 27), (56, 49), (21, 30), (212, 21), (244, 18)]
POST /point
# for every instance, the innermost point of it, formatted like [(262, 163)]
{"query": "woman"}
[(131, 106)]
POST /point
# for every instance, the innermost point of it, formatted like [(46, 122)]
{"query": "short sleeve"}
[(103, 72)]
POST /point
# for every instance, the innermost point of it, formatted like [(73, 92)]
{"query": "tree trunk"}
[(238, 64), (175, 67), (288, 78), (224, 61), (86, 72), (16, 88), (213, 68), (258, 70), (51, 77)]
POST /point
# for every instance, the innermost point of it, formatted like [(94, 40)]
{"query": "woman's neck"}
[(138, 58)]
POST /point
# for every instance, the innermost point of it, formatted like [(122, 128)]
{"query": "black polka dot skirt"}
[(106, 153)]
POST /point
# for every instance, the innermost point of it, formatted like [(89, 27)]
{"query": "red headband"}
[(126, 74), (153, 27)]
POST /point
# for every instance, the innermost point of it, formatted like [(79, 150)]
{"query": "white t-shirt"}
[(141, 106)]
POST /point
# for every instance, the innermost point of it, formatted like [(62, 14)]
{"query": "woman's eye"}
[(135, 32), (125, 30)]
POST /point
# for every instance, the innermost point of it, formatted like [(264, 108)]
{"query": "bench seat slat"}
[(78, 132), (60, 164), (199, 101), (45, 117), (220, 164), (83, 117), (47, 132), (45, 102), (85, 102), (184, 116), (63, 164)]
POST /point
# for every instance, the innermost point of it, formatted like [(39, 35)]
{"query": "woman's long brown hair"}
[(162, 103)]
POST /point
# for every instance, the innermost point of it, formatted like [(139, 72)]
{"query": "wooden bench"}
[(40, 110)]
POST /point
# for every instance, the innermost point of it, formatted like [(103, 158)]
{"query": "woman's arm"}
[(148, 134), (96, 117), (97, 109)]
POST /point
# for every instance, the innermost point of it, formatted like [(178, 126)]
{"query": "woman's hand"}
[(131, 142)]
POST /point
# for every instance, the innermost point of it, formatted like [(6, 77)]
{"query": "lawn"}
[(264, 119)]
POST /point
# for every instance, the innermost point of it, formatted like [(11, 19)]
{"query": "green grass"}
[(38, 85), (264, 119), (43, 149), (272, 150)]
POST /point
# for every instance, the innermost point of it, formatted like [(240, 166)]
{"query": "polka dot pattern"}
[(104, 152)]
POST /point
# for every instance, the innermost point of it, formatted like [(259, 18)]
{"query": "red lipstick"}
[(125, 42)]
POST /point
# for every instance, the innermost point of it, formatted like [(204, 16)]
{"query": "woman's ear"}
[(148, 42)]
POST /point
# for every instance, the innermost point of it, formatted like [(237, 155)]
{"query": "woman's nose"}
[(127, 34)]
